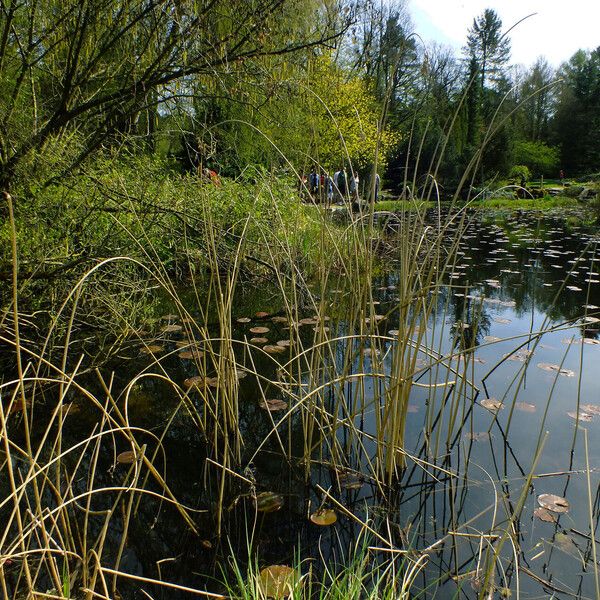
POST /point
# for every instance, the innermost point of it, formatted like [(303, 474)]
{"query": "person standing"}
[(329, 188), (376, 187), (313, 181)]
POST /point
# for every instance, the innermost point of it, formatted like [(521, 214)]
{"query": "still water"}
[(522, 295)]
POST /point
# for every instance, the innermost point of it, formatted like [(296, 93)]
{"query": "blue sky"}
[(558, 29)]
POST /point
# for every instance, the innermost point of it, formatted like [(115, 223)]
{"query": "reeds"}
[(347, 375)]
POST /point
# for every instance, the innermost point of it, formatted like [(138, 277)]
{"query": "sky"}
[(557, 31)]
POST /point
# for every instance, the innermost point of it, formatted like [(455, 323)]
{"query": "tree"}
[(488, 46), (537, 99), (487, 52), (346, 118), (95, 67), (576, 125)]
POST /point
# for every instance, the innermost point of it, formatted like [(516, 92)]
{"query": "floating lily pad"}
[(592, 409), (308, 321), (197, 381), (283, 343), (556, 368), (279, 319), (492, 404), (491, 338), (258, 340), (191, 354), (581, 416), (502, 320), (349, 480), (171, 328), (126, 458), (324, 517), (261, 314), (565, 543), (152, 349), (543, 514), (243, 320), (555, 503), (277, 581), (270, 349), (273, 404), (320, 328), (259, 330), (268, 502), (525, 407)]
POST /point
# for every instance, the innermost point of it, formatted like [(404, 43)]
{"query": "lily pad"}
[(191, 354), (258, 330), (261, 314), (283, 343), (270, 349), (273, 404), (277, 581), (525, 407), (197, 381), (492, 404), (565, 543), (268, 502), (308, 321), (581, 416), (556, 368), (592, 409), (349, 480), (324, 517), (126, 458), (152, 349), (243, 320), (543, 514), (279, 319), (555, 503), (502, 320), (258, 340), (171, 328)]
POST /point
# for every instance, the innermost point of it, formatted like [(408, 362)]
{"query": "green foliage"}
[(520, 172), (577, 120), (346, 120), (538, 156)]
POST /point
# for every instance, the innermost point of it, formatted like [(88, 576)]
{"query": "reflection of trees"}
[(529, 239), (471, 323)]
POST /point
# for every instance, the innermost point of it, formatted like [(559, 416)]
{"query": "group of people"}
[(336, 187)]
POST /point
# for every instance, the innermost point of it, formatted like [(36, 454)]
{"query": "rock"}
[(588, 195), (574, 191), (554, 191)]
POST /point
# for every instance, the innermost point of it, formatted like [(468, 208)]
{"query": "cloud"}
[(557, 30)]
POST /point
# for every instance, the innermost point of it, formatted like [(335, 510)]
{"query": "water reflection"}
[(482, 414)]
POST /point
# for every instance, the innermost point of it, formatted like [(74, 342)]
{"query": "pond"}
[(497, 477)]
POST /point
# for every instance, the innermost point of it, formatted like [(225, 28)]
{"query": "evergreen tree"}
[(488, 46)]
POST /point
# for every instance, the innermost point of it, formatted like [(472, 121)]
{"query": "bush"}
[(520, 172), (540, 158)]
